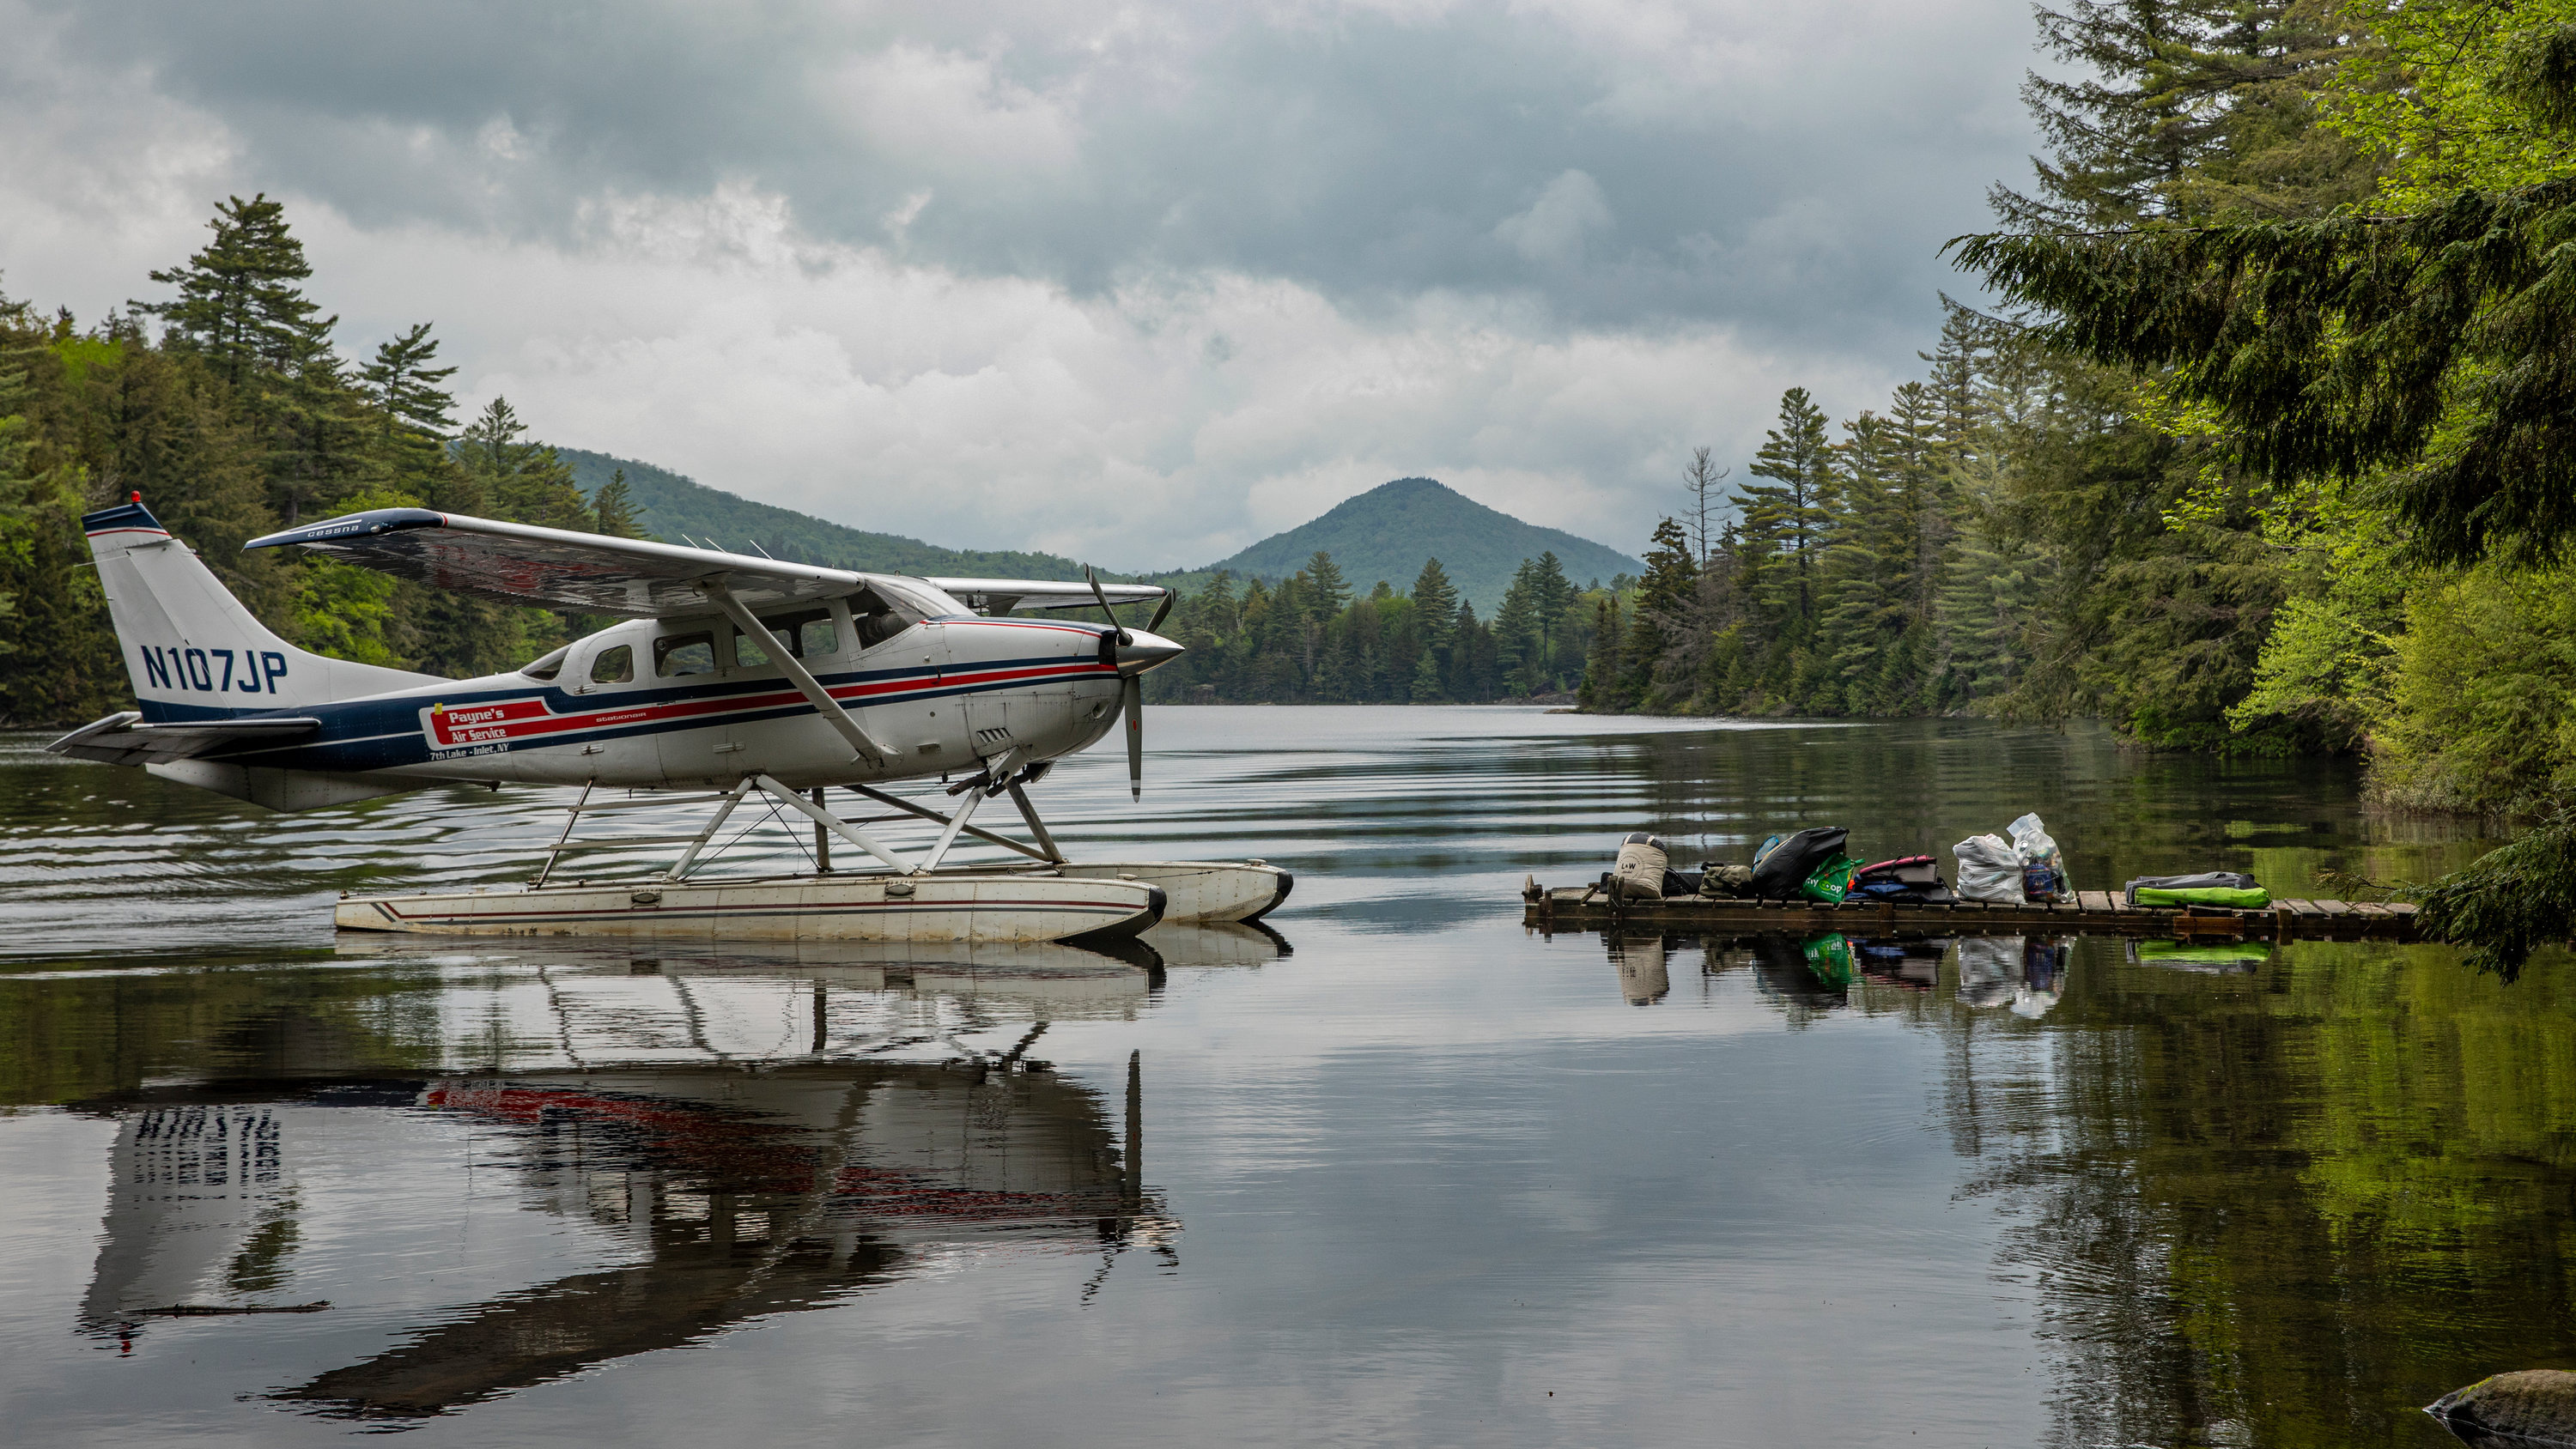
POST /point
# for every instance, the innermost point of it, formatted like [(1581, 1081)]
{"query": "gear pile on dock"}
[(1803, 883)]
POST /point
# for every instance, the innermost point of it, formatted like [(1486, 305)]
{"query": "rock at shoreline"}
[(2535, 1406)]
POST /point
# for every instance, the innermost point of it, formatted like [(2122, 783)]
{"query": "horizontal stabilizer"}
[(1001, 596), (520, 563), (123, 738)]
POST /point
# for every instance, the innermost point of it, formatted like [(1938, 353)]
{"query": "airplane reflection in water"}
[(741, 1139), (2025, 974)]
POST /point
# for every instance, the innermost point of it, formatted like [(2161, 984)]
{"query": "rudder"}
[(191, 649)]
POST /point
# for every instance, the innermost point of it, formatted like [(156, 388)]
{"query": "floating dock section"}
[(2091, 913)]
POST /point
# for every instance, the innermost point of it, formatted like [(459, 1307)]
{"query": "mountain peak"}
[(1387, 533)]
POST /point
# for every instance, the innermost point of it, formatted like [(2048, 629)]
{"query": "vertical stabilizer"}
[(190, 647)]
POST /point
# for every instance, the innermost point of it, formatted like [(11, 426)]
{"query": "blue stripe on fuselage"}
[(385, 733)]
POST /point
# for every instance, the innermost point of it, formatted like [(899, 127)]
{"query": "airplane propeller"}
[(1131, 687)]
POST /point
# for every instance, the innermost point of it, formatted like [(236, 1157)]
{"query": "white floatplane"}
[(734, 677)]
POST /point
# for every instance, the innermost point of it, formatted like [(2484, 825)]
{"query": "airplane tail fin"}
[(190, 647)]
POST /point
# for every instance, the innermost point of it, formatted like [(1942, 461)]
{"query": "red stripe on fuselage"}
[(702, 710)]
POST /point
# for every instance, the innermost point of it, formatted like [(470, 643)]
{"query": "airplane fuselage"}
[(682, 702)]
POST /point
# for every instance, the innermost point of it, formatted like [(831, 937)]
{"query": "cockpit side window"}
[(807, 633), (878, 617), (675, 655), (614, 665)]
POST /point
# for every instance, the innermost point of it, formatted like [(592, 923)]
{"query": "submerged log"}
[(2535, 1406)]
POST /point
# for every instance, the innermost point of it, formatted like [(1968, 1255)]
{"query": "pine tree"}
[(413, 412), (1553, 622), (1327, 591), (1602, 691), (615, 512), (1435, 603), (2186, 109), (523, 482), (1786, 518), (1519, 651), (238, 305), (1664, 599)]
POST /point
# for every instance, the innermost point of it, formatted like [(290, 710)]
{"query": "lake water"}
[(1394, 1171)]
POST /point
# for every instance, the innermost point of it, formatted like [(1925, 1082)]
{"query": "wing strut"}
[(794, 668)]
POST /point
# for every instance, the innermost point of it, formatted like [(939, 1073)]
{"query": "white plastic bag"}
[(1989, 870), (2042, 877)]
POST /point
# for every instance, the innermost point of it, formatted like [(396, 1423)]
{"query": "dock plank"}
[(1563, 908)]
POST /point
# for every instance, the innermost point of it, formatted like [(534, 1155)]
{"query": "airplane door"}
[(930, 725)]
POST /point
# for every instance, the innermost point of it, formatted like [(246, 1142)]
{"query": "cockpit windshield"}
[(548, 667)]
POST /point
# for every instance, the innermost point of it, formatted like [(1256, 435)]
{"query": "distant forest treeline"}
[(1313, 639)]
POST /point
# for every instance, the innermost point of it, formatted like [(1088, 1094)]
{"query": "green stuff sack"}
[(1831, 881), (2221, 955), (1829, 959), (2253, 900)]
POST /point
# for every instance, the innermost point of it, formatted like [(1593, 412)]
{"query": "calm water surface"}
[(1395, 1171)]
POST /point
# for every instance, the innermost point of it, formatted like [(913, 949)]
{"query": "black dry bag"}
[(1777, 876)]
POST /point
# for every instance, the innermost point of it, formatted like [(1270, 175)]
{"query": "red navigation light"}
[(136, 495)]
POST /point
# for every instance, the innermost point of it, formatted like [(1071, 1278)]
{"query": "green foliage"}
[(2511, 902), (614, 511), (2483, 714), (2185, 108), (2431, 344), (2459, 95)]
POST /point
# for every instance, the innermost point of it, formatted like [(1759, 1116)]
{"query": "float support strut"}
[(826, 820)]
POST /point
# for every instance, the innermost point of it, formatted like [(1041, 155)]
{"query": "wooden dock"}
[(2091, 913)]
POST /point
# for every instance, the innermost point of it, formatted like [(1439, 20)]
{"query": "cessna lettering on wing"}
[(211, 671)]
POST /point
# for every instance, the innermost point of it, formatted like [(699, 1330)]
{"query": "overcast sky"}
[(1136, 283)]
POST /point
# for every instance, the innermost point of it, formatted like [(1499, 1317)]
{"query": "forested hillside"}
[(2262, 457), (671, 507)]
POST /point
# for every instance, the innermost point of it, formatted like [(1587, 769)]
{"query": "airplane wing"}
[(1001, 596), (520, 563), (123, 738)]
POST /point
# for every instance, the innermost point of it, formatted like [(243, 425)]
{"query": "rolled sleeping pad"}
[(2207, 880), (2230, 899)]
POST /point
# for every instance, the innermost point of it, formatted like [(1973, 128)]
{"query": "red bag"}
[(1918, 870)]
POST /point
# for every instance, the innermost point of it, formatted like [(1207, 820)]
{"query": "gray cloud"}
[(1139, 285), (1786, 168)]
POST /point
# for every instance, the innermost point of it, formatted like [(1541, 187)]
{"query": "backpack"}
[(1781, 870)]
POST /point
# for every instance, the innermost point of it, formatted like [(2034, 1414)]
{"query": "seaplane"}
[(729, 677)]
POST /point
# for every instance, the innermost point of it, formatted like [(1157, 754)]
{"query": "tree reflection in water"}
[(2261, 1201)]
